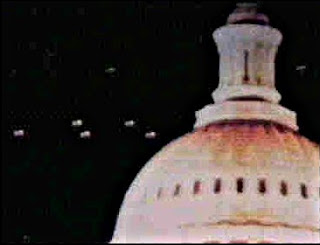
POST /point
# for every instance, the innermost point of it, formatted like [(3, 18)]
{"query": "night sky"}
[(106, 63)]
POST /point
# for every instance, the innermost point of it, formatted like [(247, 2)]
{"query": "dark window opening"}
[(262, 186), (217, 186), (283, 188), (251, 21), (247, 98), (159, 194), (196, 187), (177, 190), (246, 76), (304, 191), (240, 185)]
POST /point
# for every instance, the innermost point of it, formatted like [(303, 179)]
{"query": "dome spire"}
[(247, 47), (247, 13)]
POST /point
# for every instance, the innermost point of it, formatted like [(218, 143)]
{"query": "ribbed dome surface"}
[(253, 143), (173, 198)]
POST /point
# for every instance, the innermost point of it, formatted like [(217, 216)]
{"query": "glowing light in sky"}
[(77, 123), (129, 123), (110, 70), (151, 135), (302, 67), (85, 134), (18, 133)]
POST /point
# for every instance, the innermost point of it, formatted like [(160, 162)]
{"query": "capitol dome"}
[(245, 174)]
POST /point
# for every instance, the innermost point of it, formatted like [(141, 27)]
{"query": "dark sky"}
[(57, 186)]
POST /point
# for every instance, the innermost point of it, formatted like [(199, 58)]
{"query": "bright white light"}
[(77, 123), (151, 135), (18, 133), (303, 67), (110, 70), (85, 134), (129, 123)]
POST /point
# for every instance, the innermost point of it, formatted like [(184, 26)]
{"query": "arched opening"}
[(246, 72), (177, 190), (262, 186), (283, 188), (304, 191), (197, 187), (217, 186), (159, 193), (240, 185)]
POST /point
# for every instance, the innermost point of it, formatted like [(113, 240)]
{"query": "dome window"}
[(217, 186), (304, 191), (262, 186), (240, 185), (159, 194), (283, 188), (177, 190), (197, 187), (246, 76)]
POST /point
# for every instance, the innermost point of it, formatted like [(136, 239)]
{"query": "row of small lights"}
[(78, 123), (20, 133), (87, 134), (112, 70), (148, 135)]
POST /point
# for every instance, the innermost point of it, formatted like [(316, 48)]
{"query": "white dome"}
[(268, 190), (244, 174)]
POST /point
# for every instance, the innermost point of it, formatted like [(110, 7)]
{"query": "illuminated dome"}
[(244, 174)]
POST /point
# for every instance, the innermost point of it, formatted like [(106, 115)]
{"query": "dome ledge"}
[(246, 110)]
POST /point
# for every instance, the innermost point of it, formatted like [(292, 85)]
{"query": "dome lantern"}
[(247, 47)]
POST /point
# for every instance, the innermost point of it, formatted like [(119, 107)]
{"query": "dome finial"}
[(247, 13), (247, 5)]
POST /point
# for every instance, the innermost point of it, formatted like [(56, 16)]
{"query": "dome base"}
[(246, 110), (238, 91)]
